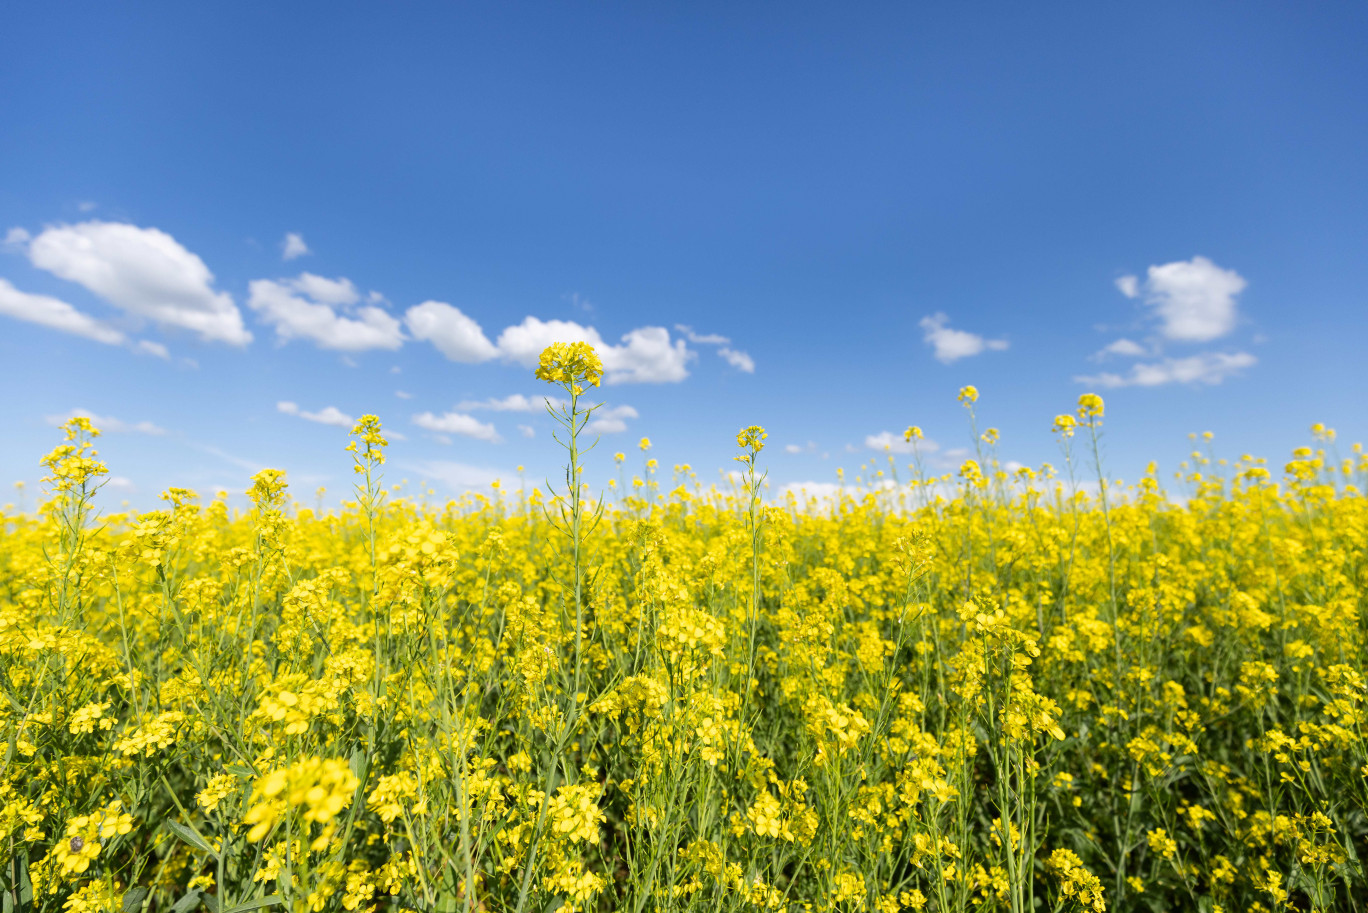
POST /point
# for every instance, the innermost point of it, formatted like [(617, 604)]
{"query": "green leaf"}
[(192, 837), (240, 771), (25, 884), (133, 898), (188, 902), (257, 904)]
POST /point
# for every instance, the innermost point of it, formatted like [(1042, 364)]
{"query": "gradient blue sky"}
[(815, 182)]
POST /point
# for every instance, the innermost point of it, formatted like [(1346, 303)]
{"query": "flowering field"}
[(977, 691)]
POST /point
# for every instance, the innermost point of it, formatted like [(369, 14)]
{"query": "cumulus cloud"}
[(513, 403), (950, 344), (455, 335), (1206, 368), (307, 308), (16, 237), (610, 419), (809, 447), (328, 415), (293, 246), (142, 271), (457, 423), (329, 291), (645, 355), (706, 339), (1195, 300), (108, 423), (1123, 347), (527, 431), (55, 314), (887, 440), (738, 359)]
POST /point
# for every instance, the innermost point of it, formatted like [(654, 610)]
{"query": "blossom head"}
[(968, 395), (913, 433), (1065, 424), (268, 489), (570, 364), (1090, 406), (751, 438)]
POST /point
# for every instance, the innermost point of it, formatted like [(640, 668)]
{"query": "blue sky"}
[(874, 205)]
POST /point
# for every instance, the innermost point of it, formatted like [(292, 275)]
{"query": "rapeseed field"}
[(989, 691)]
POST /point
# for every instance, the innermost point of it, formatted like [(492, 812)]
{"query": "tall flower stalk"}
[(570, 366)]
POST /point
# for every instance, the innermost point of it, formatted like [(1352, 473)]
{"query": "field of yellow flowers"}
[(978, 691)]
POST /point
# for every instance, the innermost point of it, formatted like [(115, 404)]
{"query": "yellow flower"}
[(968, 395), (751, 438), (1090, 406), (322, 788), (575, 813), (570, 364)]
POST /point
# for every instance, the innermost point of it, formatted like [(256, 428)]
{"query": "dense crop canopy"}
[(981, 690)]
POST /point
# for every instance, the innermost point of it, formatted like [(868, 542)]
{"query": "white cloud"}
[(708, 339), (121, 483), (143, 271), (328, 415), (55, 314), (738, 359), (328, 291), (455, 335), (646, 354), (458, 423), (887, 440), (513, 403), (16, 237), (793, 448), (1206, 368), (1124, 348), (87, 206), (1194, 299), (155, 349), (527, 430), (952, 345), (108, 423), (402, 395), (1129, 286), (280, 304), (610, 419), (293, 246), (456, 476)]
